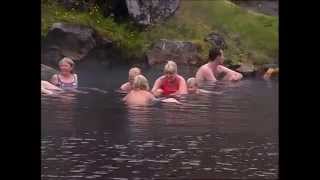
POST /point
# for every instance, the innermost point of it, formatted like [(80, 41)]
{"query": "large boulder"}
[(151, 12), (47, 72), (179, 51), (71, 40)]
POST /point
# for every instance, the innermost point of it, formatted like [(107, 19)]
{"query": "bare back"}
[(205, 73), (139, 97)]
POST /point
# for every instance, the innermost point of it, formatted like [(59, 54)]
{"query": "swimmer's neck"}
[(66, 75), (213, 64)]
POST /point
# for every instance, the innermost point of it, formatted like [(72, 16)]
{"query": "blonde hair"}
[(170, 68), (192, 81), (140, 82), (68, 61)]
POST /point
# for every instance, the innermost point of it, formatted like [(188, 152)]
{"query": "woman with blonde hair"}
[(171, 83), (66, 78), (140, 95)]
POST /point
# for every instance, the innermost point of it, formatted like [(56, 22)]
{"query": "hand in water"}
[(171, 100)]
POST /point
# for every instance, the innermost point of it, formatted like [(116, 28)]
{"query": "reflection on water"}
[(96, 136)]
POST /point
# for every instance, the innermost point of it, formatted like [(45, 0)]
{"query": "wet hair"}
[(214, 53), (141, 82), (192, 81), (170, 68), (68, 61)]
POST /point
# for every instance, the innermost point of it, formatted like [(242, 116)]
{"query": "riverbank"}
[(250, 37)]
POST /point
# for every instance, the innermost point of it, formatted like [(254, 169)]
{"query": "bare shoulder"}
[(54, 79), (124, 86), (181, 78), (55, 76), (161, 77)]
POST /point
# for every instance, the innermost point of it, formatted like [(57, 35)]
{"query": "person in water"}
[(171, 83), (133, 72), (47, 87), (140, 95), (193, 87), (66, 78), (270, 73), (214, 68)]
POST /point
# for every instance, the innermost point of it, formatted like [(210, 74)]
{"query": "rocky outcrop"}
[(71, 40), (47, 72), (179, 51), (216, 40), (247, 69), (151, 12)]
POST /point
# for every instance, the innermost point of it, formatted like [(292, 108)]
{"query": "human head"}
[(66, 65), (133, 72), (170, 70), (141, 83), (216, 54), (192, 85)]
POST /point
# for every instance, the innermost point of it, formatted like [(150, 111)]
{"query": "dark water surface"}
[(96, 136)]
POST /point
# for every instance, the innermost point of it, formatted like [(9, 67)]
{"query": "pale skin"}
[(194, 89), (208, 72), (128, 85), (143, 97), (46, 87), (269, 73), (65, 74), (182, 85)]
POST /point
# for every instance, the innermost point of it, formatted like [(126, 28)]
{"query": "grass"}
[(250, 36)]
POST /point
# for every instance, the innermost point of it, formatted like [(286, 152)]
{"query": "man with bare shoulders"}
[(214, 68)]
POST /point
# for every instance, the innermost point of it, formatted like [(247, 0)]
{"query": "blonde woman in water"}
[(140, 95)]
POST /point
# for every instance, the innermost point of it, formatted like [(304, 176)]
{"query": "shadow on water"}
[(94, 135)]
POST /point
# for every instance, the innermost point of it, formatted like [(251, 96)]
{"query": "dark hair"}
[(213, 53)]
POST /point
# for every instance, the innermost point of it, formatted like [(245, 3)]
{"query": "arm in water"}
[(168, 100), (230, 74), (209, 92)]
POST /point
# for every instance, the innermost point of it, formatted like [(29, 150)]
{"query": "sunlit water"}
[(96, 136)]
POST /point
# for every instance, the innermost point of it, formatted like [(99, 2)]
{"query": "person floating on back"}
[(214, 68), (140, 95), (133, 72), (66, 78), (171, 83)]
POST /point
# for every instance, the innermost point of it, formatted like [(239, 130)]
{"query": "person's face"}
[(132, 75), (192, 88), (131, 79), (65, 68), (171, 77)]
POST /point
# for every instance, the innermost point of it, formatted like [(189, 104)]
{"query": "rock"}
[(216, 40), (47, 72), (71, 40), (246, 69), (178, 51), (151, 12)]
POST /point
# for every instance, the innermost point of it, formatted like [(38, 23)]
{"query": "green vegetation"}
[(250, 36)]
